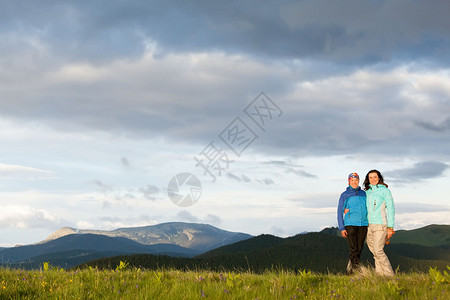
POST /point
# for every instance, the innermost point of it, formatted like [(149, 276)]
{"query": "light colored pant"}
[(376, 239)]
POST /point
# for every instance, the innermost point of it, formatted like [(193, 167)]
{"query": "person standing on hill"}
[(352, 220), (381, 214)]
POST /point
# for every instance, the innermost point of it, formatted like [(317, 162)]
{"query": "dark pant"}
[(355, 237)]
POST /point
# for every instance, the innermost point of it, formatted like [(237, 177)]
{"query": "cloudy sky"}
[(102, 103)]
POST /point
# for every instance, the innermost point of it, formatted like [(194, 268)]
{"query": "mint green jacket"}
[(380, 205)]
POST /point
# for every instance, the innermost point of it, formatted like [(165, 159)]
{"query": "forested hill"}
[(318, 251), (431, 235)]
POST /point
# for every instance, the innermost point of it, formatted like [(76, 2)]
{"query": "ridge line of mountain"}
[(209, 242)]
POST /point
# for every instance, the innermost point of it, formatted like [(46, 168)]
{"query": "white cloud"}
[(409, 221), (8, 171), (85, 225), (186, 216), (21, 216)]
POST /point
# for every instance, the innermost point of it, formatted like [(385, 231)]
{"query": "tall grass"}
[(122, 283)]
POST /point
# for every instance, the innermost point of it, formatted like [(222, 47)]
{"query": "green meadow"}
[(125, 283)]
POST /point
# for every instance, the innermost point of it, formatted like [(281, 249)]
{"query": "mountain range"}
[(201, 237), (322, 252), (193, 246), (68, 247)]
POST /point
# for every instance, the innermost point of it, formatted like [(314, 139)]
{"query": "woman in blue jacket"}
[(381, 213), (352, 219)]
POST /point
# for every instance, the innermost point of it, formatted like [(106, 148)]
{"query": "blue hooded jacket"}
[(355, 201)]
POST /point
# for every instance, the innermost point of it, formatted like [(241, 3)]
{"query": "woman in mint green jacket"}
[(381, 214)]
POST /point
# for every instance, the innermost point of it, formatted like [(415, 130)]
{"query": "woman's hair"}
[(366, 180)]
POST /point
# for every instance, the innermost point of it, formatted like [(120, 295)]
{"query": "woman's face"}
[(354, 182), (373, 178)]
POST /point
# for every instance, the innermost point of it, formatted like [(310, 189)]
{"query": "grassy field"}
[(122, 283)]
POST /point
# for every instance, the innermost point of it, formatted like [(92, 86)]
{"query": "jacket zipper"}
[(374, 202), (361, 211)]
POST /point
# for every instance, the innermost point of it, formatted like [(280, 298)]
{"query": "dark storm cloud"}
[(374, 30), (345, 31), (71, 30), (432, 126), (83, 66), (420, 171)]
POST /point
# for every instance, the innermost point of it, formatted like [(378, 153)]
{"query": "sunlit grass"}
[(123, 283)]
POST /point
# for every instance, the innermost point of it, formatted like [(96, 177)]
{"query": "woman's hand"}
[(390, 232), (344, 233)]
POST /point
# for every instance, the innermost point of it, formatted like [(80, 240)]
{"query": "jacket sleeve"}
[(340, 212), (390, 208)]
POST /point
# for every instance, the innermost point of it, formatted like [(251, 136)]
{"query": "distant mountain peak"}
[(197, 236), (60, 233)]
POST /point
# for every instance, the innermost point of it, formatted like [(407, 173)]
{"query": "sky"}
[(268, 105)]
